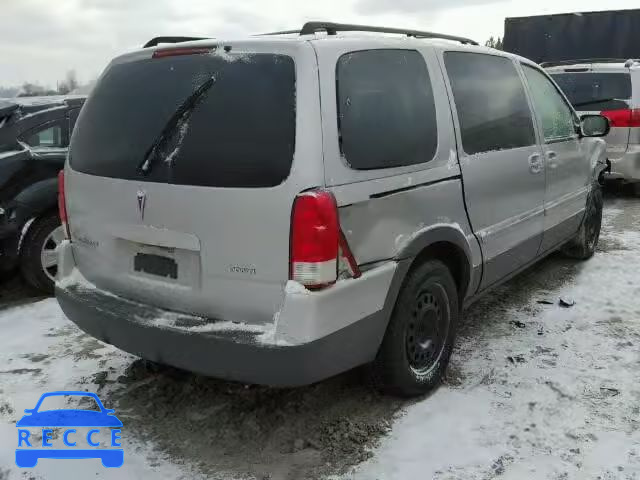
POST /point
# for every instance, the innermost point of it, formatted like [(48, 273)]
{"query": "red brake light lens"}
[(62, 204), (315, 238), (623, 118), (175, 52)]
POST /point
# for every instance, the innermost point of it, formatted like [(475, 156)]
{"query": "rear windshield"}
[(595, 91), (239, 130)]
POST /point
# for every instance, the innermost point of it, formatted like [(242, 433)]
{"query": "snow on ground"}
[(535, 391), (41, 351), (543, 392)]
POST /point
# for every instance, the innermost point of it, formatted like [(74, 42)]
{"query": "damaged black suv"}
[(34, 138)]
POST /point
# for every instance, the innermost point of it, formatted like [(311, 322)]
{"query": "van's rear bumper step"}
[(233, 355)]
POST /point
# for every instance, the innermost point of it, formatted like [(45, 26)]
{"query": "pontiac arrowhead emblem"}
[(142, 201)]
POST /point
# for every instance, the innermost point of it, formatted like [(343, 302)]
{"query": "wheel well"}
[(454, 258), (29, 223)]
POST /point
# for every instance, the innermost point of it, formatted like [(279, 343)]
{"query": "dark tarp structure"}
[(570, 36)]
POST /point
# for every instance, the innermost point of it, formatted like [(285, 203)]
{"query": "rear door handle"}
[(535, 163), (552, 160)]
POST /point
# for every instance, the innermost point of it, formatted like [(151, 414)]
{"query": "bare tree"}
[(34, 90), (72, 80), (494, 43), (69, 84)]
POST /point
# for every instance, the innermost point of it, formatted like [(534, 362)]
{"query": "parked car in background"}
[(278, 210), (34, 138), (612, 88)]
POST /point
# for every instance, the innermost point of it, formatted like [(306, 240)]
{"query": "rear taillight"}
[(623, 118), (175, 52), (317, 243), (62, 204)]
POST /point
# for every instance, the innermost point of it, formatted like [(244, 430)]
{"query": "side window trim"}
[(574, 115), (537, 122)]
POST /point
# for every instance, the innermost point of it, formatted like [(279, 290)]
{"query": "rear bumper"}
[(627, 167), (238, 356), (250, 354)]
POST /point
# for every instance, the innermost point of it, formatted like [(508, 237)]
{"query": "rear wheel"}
[(418, 342), (38, 254), (583, 246)]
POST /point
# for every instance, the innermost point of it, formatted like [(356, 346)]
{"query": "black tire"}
[(31, 265), (7, 272), (583, 246), (419, 339)]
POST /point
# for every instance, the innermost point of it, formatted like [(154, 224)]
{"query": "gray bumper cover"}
[(231, 355)]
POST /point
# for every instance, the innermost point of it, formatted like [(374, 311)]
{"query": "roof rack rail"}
[(282, 32), (585, 60), (158, 40), (310, 28)]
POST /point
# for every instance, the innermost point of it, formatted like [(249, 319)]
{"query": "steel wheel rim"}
[(49, 252), (427, 329)]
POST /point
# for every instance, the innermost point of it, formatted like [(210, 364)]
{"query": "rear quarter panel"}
[(383, 212)]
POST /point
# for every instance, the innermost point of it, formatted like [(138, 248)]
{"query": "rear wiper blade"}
[(598, 100), (178, 119)]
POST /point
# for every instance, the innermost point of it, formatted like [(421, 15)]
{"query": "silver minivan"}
[(611, 88), (283, 208)]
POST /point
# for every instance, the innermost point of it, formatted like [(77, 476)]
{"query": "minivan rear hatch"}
[(180, 184), (608, 93)]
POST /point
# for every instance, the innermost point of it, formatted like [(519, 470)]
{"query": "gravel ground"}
[(533, 388)]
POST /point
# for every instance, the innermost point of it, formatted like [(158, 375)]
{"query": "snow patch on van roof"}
[(231, 57)]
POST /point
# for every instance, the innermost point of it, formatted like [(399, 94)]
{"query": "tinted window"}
[(50, 136), (556, 116), (386, 111), (595, 91), (73, 117), (492, 106), (240, 132)]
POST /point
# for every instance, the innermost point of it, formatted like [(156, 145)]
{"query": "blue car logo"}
[(28, 451)]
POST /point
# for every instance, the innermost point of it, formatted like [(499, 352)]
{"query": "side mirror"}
[(594, 125)]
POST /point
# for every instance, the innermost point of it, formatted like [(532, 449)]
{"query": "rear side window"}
[(490, 99), (595, 90), (239, 130), (50, 136), (386, 110)]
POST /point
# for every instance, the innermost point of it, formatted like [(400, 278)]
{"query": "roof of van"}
[(320, 41), (331, 29), (613, 65)]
